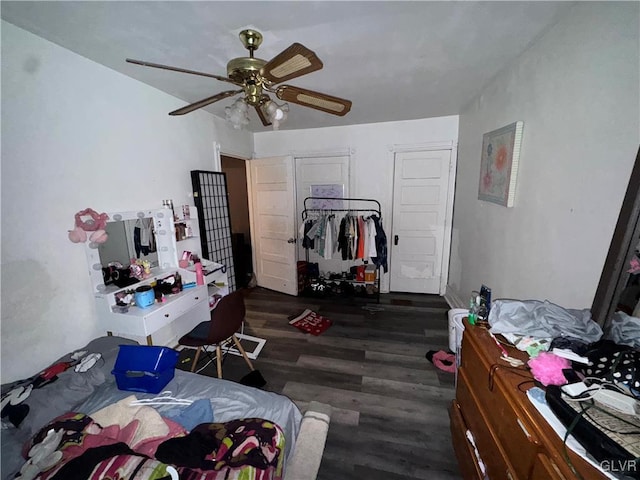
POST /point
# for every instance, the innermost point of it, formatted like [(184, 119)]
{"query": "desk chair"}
[(226, 320)]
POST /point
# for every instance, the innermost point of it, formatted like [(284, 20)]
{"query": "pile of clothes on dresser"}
[(589, 378), (539, 326)]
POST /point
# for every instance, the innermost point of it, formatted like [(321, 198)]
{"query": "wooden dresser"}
[(514, 441)]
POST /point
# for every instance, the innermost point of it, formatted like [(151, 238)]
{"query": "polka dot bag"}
[(613, 362)]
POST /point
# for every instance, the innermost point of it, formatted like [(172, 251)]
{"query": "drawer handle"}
[(526, 432), (197, 298), (166, 315)]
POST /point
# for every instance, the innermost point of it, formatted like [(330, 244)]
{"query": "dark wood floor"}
[(389, 403)]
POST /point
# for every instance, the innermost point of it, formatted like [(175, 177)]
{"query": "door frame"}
[(218, 150), (448, 220)]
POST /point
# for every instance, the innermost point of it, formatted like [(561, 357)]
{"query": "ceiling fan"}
[(257, 78)]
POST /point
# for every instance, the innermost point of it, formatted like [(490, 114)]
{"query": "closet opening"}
[(235, 170)]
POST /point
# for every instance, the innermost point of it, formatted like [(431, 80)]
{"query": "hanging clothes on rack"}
[(330, 237), (322, 231), (380, 259), (372, 252), (307, 236), (320, 235), (358, 235), (361, 236), (344, 238)]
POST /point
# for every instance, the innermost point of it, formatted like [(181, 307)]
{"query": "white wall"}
[(76, 134), (371, 148), (577, 91)]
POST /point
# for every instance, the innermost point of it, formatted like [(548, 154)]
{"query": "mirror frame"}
[(164, 229), (623, 243)]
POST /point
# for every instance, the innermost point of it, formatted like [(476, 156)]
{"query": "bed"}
[(288, 445)]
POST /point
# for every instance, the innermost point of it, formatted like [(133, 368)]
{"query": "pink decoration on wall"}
[(88, 220)]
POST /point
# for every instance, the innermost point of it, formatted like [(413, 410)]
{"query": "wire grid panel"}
[(212, 201)]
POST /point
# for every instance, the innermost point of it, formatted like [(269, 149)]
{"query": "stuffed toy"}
[(88, 220)]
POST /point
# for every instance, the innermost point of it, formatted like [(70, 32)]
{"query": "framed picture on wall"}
[(499, 164)]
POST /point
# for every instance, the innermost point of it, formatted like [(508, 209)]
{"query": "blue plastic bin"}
[(141, 368)]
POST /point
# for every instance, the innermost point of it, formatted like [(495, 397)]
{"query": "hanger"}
[(164, 398)]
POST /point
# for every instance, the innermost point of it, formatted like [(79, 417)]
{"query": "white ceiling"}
[(394, 60)]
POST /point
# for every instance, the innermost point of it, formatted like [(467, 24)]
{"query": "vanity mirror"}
[(129, 239), (145, 235)]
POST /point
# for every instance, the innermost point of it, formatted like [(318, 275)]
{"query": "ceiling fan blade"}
[(263, 118), (292, 62), (182, 70), (204, 102), (317, 100)]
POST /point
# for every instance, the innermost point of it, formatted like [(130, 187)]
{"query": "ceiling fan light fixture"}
[(256, 77), (276, 113), (237, 114)]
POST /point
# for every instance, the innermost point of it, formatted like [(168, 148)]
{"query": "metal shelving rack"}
[(360, 207)]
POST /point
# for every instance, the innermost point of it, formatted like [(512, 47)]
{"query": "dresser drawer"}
[(517, 437), (466, 456), (475, 416), (173, 308), (530, 447), (545, 469), (186, 301)]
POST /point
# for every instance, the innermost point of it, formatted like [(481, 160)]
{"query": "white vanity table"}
[(179, 312)]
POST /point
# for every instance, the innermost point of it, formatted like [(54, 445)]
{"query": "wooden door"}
[(420, 195), (273, 229)]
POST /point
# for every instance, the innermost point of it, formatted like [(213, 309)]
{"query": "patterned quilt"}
[(74, 446)]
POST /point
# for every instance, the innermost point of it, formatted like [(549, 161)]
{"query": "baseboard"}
[(453, 299)]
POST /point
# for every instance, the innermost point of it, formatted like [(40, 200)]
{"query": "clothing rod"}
[(307, 210), (348, 199), (342, 210)]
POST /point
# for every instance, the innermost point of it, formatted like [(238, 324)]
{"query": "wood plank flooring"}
[(389, 403)]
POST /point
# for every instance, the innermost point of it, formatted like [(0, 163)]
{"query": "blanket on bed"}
[(75, 446), (60, 389)]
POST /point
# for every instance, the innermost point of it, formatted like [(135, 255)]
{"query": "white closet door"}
[(421, 181), (321, 171)]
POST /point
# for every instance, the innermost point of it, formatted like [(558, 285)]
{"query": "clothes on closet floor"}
[(356, 238)]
